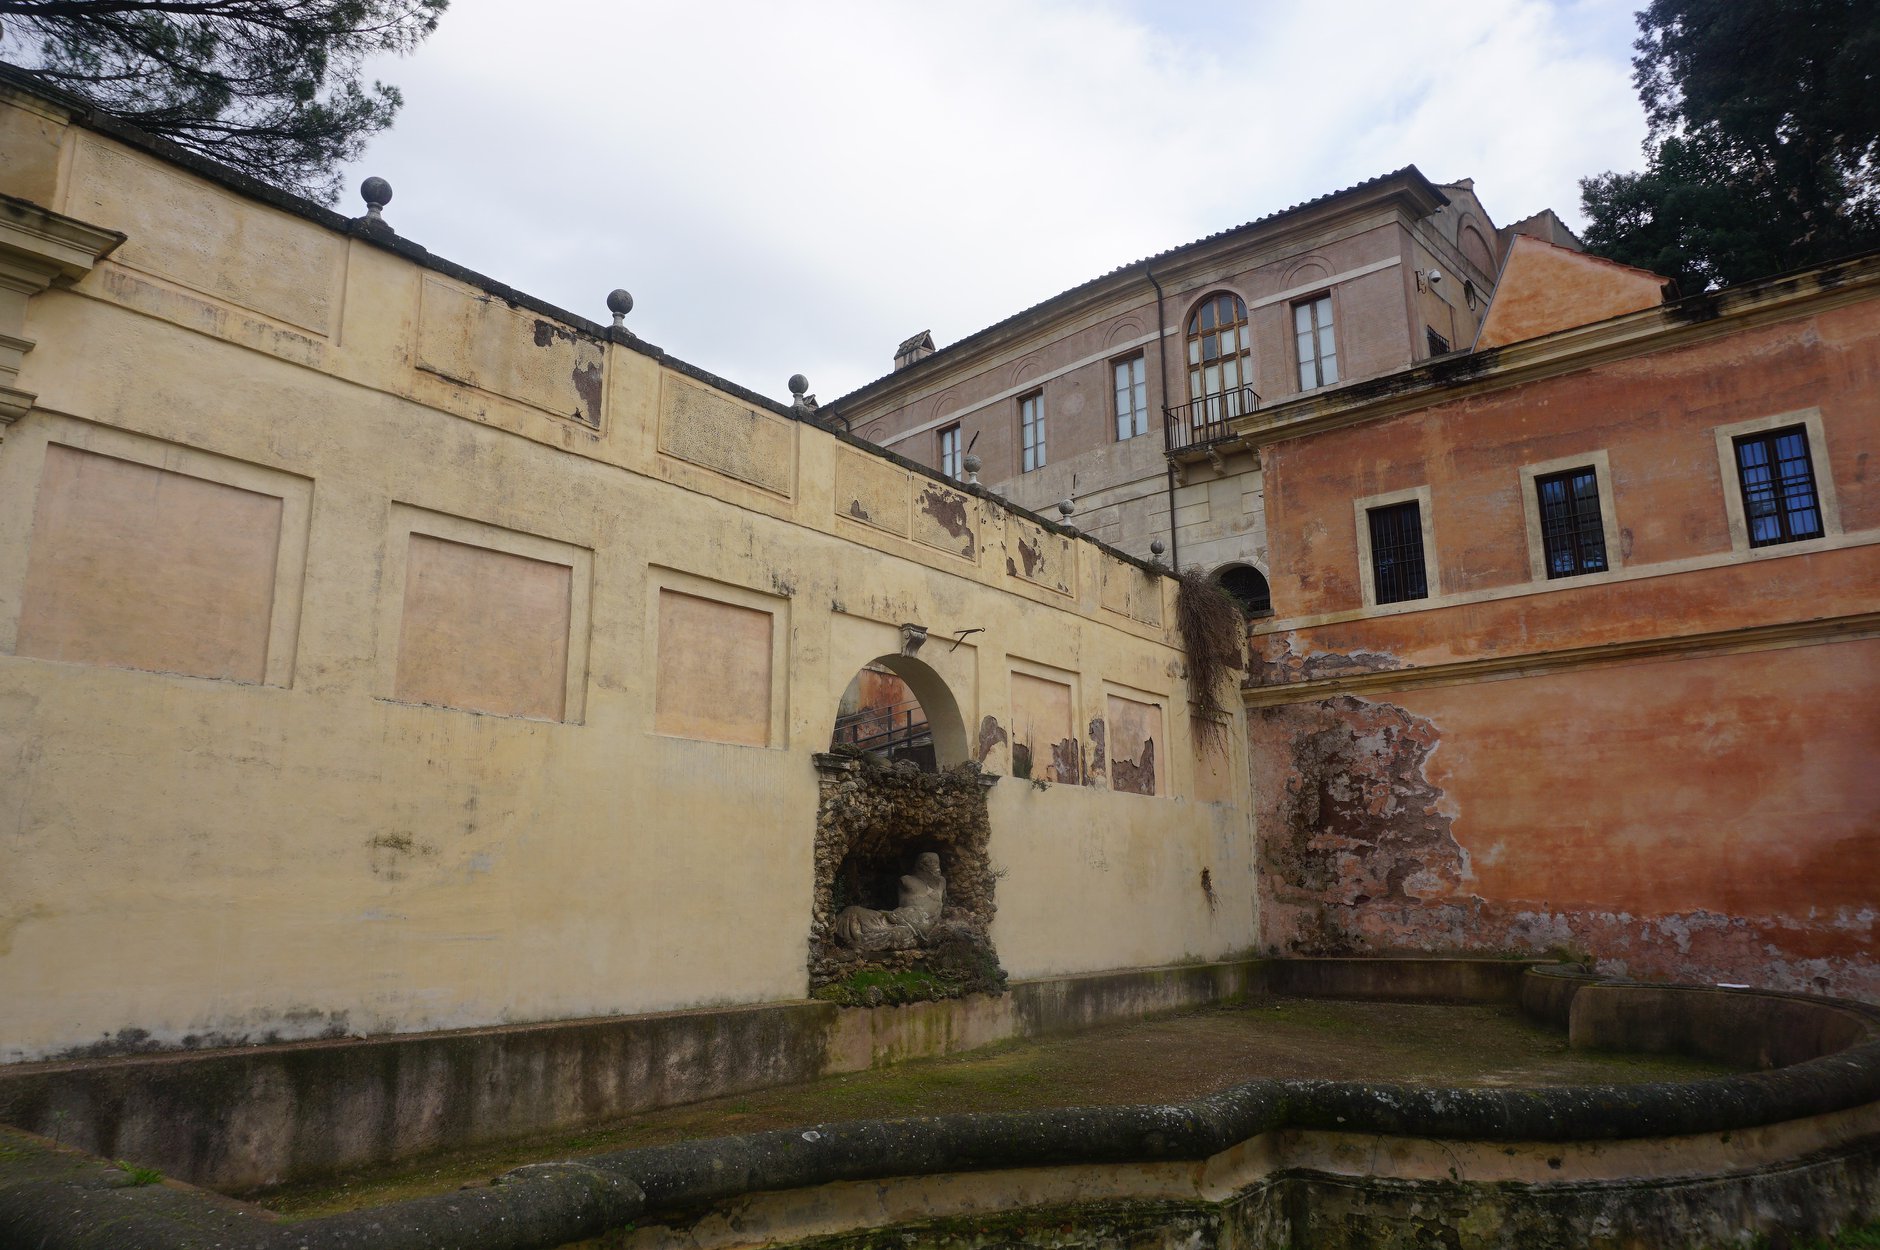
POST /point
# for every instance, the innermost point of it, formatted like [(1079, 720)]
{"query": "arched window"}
[(1220, 360), (1246, 586)]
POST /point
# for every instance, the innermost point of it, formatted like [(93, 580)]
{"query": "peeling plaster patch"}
[(1822, 955), (990, 735), (1286, 667), (1098, 773), (1360, 850), (1135, 776), (1029, 554), (1358, 854), (948, 511), (1067, 762), (587, 385), (857, 511)]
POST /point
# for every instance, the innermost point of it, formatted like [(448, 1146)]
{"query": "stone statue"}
[(923, 893)]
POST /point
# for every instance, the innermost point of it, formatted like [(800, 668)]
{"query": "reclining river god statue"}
[(923, 893)]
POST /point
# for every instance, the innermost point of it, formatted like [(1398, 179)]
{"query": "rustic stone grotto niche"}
[(874, 822)]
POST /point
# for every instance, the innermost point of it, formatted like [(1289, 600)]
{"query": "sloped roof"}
[(1409, 173)]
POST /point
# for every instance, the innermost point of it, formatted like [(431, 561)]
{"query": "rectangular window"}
[(1397, 552), (1031, 431), (1132, 398), (1573, 537), (1318, 349), (1439, 346), (1778, 481), (950, 450)]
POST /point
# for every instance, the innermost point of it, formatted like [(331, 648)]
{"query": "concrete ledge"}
[(1547, 993), (1257, 1165), (1743, 1028), (261, 1115)]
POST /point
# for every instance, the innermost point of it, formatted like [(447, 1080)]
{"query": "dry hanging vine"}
[(1214, 634)]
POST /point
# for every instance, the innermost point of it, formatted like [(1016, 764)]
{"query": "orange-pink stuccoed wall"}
[(1711, 818), (1673, 768)]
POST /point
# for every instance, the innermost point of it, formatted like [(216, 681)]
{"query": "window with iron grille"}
[(1438, 345), (1031, 432), (1397, 552), (1778, 481), (950, 450), (1132, 397), (1318, 348), (1573, 535)]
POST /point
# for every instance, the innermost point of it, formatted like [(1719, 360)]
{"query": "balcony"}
[(898, 732), (1196, 426)]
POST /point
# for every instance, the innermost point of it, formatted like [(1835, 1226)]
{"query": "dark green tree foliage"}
[(1764, 152), (269, 87)]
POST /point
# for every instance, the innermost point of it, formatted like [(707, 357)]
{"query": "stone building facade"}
[(1067, 399), (1576, 640)]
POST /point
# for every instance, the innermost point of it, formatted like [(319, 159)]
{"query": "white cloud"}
[(798, 187)]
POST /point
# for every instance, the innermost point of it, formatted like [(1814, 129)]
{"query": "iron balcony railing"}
[(886, 729), (1194, 425)]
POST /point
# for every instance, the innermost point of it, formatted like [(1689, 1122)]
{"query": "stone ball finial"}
[(619, 303), (971, 464), (1065, 507), (1156, 549), (377, 193), (798, 384)]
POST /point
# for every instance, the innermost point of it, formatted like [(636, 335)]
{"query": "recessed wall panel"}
[(1136, 748), (141, 567), (484, 630), (714, 670)]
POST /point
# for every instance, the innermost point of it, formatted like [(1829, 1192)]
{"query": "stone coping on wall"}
[(379, 233), (1825, 1107)]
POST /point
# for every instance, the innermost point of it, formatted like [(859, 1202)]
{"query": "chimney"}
[(917, 348)]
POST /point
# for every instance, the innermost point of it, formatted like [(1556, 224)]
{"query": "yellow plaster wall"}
[(315, 852)]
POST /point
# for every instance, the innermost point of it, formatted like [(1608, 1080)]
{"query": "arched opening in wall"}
[(1476, 248), (897, 709), (1220, 364), (903, 897), (1246, 586)]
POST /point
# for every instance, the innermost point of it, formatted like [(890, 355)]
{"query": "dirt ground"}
[(1171, 1059)]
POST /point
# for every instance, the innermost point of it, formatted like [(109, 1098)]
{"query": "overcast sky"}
[(798, 186)]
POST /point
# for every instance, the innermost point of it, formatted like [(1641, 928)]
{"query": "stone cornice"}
[(1691, 320), (38, 247), (1535, 663)]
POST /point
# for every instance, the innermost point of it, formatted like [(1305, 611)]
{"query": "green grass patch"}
[(138, 1174), (873, 987)]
